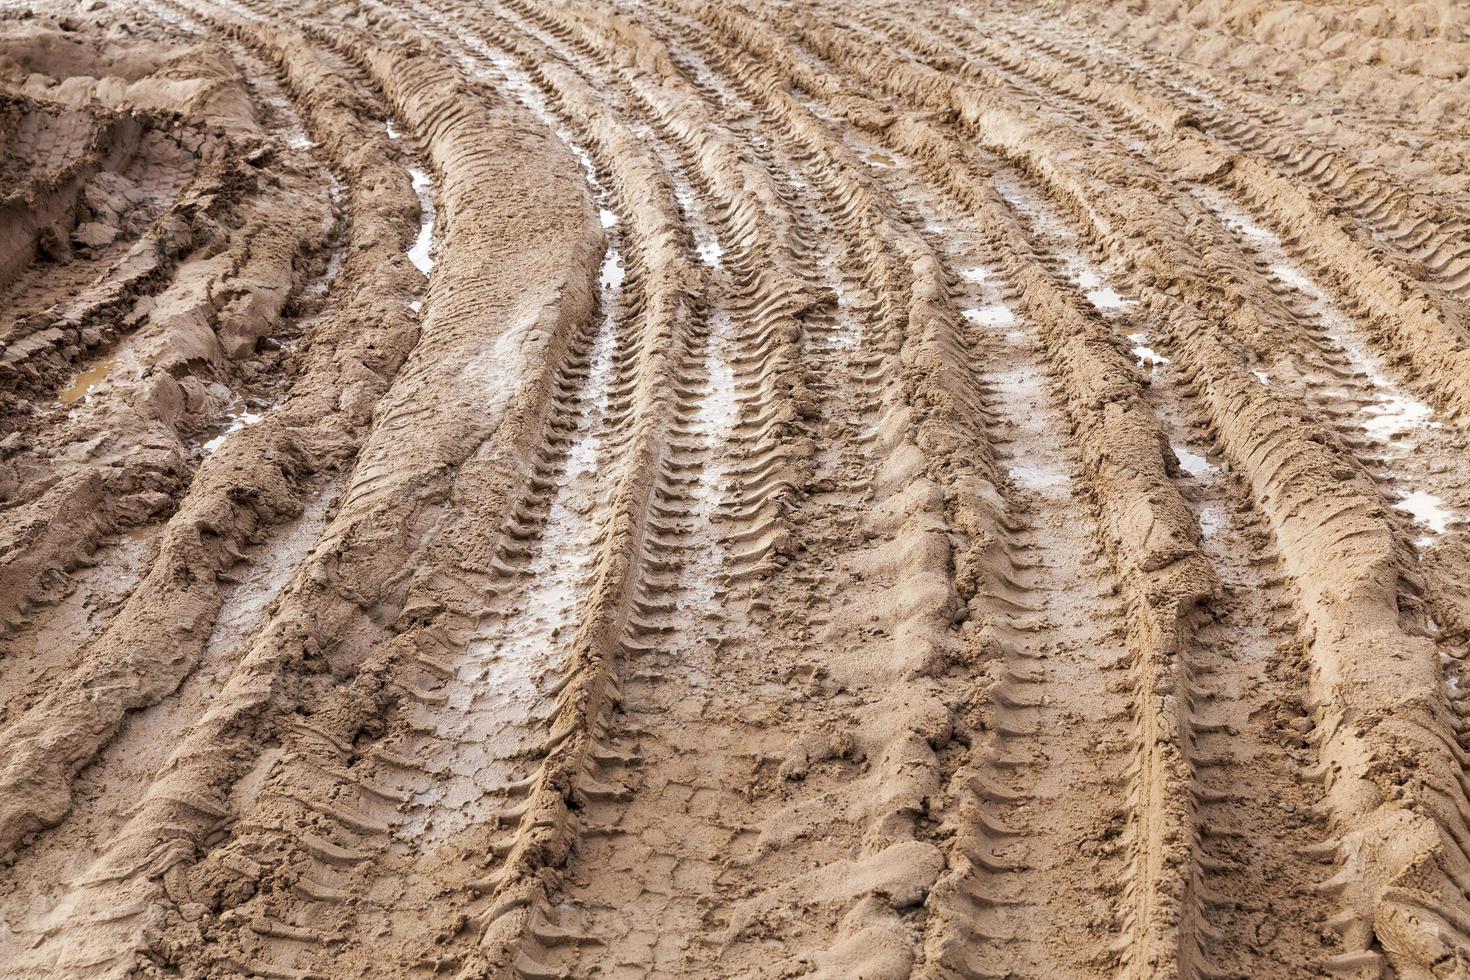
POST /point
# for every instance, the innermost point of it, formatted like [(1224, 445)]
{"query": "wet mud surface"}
[(655, 488)]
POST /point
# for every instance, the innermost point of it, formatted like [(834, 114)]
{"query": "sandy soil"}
[(655, 488)]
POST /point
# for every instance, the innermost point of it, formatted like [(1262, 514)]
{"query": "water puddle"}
[(420, 253), (849, 333), (707, 247), (718, 412), (1098, 292), (613, 272), (1192, 462), (1107, 300), (550, 603), (710, 253), (993, 315), (1044, 219), (878, 159), (1146, 355), (1038, 477), (81, 386), (237, 421), (1428, 510), (1212, 518), (991, 310), (1397, 415), (719, 409)]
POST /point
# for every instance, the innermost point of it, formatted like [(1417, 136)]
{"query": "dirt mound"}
[(786, 489)]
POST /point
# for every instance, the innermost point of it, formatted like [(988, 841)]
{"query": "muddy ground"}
[(654, 488)]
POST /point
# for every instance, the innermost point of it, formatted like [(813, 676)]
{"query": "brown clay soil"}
[(624, 488)]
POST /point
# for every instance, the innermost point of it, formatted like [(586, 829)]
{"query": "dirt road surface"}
[(627, 488)]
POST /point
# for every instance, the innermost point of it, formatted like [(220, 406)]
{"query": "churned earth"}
[(623, 488)]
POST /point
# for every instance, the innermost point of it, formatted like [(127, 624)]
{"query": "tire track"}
[(1379, 93), (198, 761), (434, 737), (1426, 327), (1393, 404), (994, 938), (894, 755), (651, 488), (1225, 401), (774, 268), (701, 795), (914, 320), (1060, 181), (1419, 226)]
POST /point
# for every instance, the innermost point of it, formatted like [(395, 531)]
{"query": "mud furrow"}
[(646, 500), (1425, 328), (1335, 658), (1363, 185), (440, 605), (1338, 373), (214, 338), (1391, 404), (772, 262), (237, 704), (1269, 481), (650, 488), (188, 338), (232, 503), (429, 741), (1254, 802), (1421, 226), (958, 954), (891, 760)]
